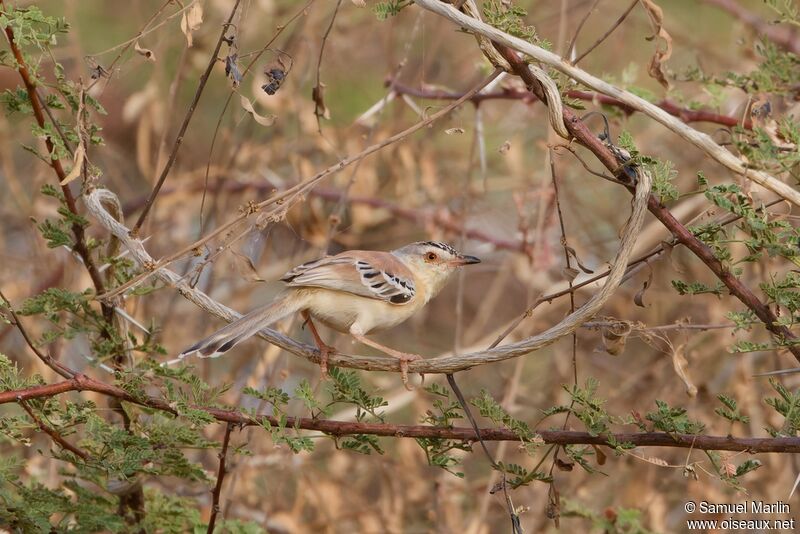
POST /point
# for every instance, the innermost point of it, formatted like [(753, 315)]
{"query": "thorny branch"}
[(682, 234), (342, 428), (685, 114)]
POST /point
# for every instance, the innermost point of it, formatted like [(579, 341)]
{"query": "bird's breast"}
[(341, 311)]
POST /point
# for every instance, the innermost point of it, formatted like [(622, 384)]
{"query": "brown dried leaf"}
[(679, 363), (570, 273), (451, 131), (359, 3), (146, 52), (247, 268), (504, 148), (638, 298), (191, 20), (318, 96), (564, 466), (268, 120), (571, 252), (614, 337), (77, 165), (600, 455), (656, 66)]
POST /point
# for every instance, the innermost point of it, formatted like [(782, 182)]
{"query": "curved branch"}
[(345, 428), (679, 231), (95, 199), (701, 140)]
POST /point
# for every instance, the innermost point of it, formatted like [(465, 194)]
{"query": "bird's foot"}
[(324, 351), (404, 359)]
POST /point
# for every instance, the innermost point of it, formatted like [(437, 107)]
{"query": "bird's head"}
[(433, 263)]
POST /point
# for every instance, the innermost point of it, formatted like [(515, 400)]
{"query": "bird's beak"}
[(467, 260)]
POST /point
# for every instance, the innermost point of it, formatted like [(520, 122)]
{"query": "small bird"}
[(355, 292)]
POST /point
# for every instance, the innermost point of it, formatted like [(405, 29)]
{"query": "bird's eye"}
[(431, 256)]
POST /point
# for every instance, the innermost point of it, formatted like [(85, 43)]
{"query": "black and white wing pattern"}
[(376, 275)]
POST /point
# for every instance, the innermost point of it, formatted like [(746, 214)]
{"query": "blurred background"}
[(479, 179)]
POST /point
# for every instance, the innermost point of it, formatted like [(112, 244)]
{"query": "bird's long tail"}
[(227, 337)]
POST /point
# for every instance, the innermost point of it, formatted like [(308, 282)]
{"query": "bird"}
[(355, 292)]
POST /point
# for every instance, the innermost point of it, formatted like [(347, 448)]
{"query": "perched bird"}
[(355, 292)]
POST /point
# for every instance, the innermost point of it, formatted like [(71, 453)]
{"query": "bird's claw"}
[(404, 359), (324, 352)]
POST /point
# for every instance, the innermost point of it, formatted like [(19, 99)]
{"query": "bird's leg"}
[(404, 357), (324, 348)]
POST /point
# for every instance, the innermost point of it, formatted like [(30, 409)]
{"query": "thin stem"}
[(189, 113), (608, 32), (221, 472)]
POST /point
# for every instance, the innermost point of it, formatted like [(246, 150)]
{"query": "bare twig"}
[(320, 110), (571, 46), (187, 118), (221, 472), (607, 33), (685, 114)]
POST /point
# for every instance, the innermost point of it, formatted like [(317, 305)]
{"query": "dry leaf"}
[(146, 52), (638, 298), (614, 337), (679, 363), (656, 66), (359, 3), (318, 96), (246, 267), (570, 273), (260, 119), (564, 466), (504, 148), (571, 252), (451, 131), (600, 455), (77, 165), (191, 20)]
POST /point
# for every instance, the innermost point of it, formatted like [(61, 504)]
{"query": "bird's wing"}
[(375, 275)]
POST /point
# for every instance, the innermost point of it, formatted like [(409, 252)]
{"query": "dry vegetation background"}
[(479, 179)]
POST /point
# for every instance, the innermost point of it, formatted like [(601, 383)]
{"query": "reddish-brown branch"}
[(343, 428), (585, 137), (58, 438), (684, 114), (38, 113), (215, 494)]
